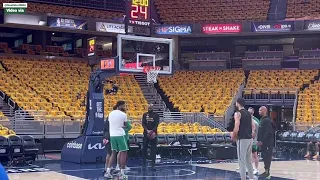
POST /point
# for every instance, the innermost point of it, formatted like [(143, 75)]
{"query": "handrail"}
[(271, 89), (192, 117), (295, 111), (2, 95), (212, 122), (11, 103), (231, 108)]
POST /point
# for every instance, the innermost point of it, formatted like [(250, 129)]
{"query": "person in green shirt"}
[(126, 129), (255, 157)]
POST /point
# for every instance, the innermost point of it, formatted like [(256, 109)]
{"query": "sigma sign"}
[(173, 29)]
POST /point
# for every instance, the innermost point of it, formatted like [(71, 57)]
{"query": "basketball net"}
[(152, 73)]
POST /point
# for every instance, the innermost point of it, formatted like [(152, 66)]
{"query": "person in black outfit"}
[(150, 122), (242, 132), (106, 142), (266, 140)]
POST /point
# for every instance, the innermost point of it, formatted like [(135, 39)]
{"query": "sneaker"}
[(127, 168), (307, 156), (255, 171), (315, 157), (107, 175), (265, 175), (117, 168), (123, 176), (158, 156)]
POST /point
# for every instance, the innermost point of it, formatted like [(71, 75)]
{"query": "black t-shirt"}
[(106, 131), (245, 127), (150, 121), (266, 131)]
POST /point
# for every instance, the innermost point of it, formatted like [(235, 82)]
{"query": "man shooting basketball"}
[(150, 122)]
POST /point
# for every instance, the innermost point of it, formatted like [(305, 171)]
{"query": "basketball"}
[(151, 135)]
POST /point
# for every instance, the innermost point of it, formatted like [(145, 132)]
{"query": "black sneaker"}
[(265, 175)]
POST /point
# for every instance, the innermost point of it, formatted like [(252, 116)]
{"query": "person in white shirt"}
[(117, 121)]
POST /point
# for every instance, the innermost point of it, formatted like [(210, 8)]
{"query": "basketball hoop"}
[(152, 73)]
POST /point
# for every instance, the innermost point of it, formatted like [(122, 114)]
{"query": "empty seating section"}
[(74, 11), (176, 128), (308, 109), (280, 79), (303, 9), (188, 90), (207, 11), (59, 88)]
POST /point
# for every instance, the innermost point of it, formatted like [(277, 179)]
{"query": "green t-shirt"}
[(127, 129), (256, 119)]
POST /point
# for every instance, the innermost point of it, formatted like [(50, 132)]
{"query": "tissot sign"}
[(173, 29), (221, 28), (312, 25), (285, 26)]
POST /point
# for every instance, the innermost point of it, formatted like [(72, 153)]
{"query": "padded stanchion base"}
[(85, 149)]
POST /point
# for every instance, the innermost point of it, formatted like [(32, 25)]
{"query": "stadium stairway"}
[(278, 10), (5, 111), (151, 95)]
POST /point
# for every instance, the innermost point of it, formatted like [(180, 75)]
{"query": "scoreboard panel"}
[(138, 19), (139, 10)]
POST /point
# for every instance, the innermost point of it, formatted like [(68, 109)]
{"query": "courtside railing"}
[(36, 124), (189, 117)]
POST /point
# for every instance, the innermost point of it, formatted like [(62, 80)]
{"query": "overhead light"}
[(42, 23), (107, 44), (53, 33)]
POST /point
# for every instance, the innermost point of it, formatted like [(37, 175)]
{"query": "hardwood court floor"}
[(299, 169), (169, 169)]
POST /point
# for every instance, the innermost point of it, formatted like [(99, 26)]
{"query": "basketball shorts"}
[(254, 148), (119, 143)]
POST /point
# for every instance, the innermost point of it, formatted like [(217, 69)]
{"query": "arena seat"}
[(4, 149), (16, 147), (280, 79), (303, 9), (208, 11), (188, 90), (308, 108), (30, 150), (210, 138), (59, 88)]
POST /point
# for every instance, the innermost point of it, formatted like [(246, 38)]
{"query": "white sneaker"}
[(107, 175), (127, 168), (117, 168), (255, 171), (158, 156)]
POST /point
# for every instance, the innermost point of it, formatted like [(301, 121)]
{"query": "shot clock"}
[(138, 12), (140, 9)]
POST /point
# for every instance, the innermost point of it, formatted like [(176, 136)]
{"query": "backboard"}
[(135, 52)]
